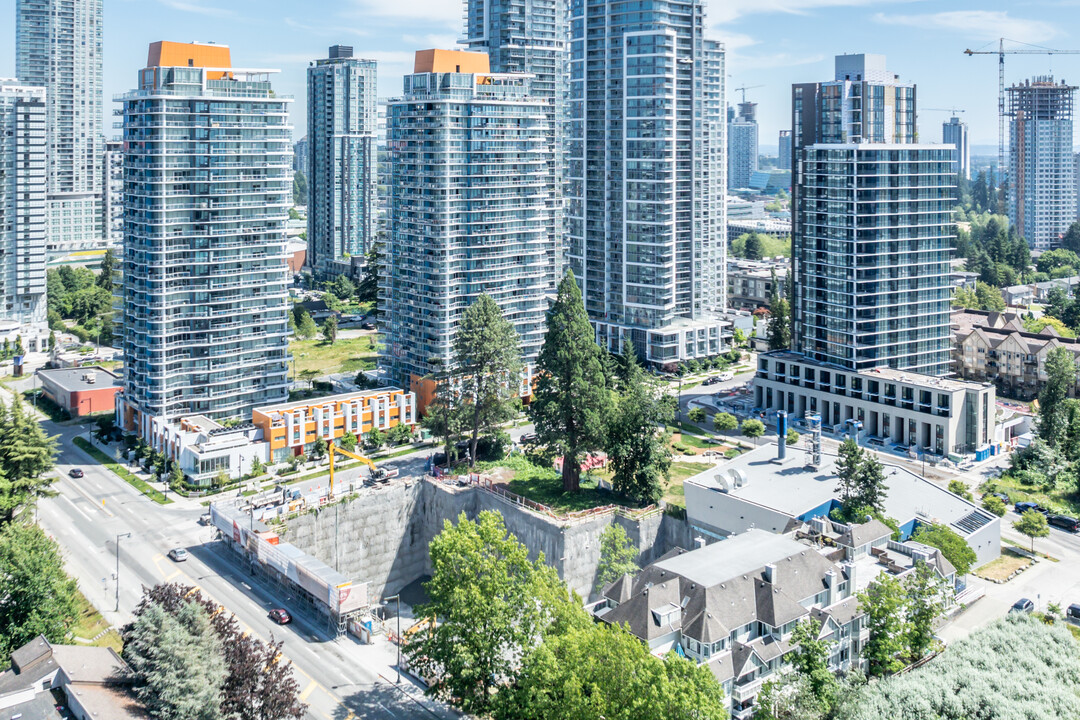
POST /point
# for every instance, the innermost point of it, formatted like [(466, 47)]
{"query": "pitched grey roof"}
[(858, 535), (842, 612), (722, 667)]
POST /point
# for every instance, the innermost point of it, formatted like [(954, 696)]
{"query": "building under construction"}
[(1042, 184)]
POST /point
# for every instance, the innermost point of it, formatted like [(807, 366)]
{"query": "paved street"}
[(339, 679)]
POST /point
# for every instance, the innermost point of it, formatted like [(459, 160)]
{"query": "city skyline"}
[(774, 44)]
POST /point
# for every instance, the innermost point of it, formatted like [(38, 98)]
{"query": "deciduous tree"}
[(1032, 524), (329, 329), (724, 422), (36, 596), (487, 362), (811, 660), (883, 605), (955, 548), (571, 400), (925, 601), (1060, 379), (618, 556)]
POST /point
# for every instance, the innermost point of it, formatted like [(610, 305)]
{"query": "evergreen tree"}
[(571, 400), (445, 417), (259, 685), (755, 249), (26, 457), (36, 596), (780, 325), (329, 329), (636, 447), (871, 483), (305, 326), (1071, 240), (107, 271), (1060, 381), (848, 466), (368, 290), (177, 663), (487, 363)]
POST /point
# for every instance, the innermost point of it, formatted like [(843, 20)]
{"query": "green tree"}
[(964, 297), (52, 339), (329, 329), (487, 363), (788, 697), (810, 659), (849, 462), (348, 441), (989, 297), (602, 671), (872, 488), (1071, 240), (994, 504), (752, 428), (400, 434), (925, 601), (36, 596), (571, 399), (257, 468), (959, 487), (1053, 259), (739, 337), (883, 604), (176, 661), (618, 556), (19, 348), (368, 290), (792, 437), (637, 449), (1060, 380), (27, 455), (445, 417), (376, 437), (176, 476), (106, 271), (955, 548), (696, 415), (490, 603), (305, 326), (1032, 524), (300, 189), (342, 287), (754, 249), (724, 422), (319, 448), (779, 325)]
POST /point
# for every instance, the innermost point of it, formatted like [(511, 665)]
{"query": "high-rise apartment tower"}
[(207, 186), (1042, 186), (22, 202), (783, 160), (59, 47), (342, 208), (872, 225), (743, 146), (954, 132), (468, 208), (645, 91), (532, 37)]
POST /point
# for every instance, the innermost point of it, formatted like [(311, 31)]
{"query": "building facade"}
[(871, 225), (23, 218), (532, 37), (342, 208), (751, 283), (207, 185), (743, 146), (933, 415), (300, 158), (112, 205), (1042, 185), (468, 208), (783, 160), (59, 47), (955, 133), (646, 91)]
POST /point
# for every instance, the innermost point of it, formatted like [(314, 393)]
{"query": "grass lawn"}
[(90, 623), (544, 485), (1059, 501), (345, 355), (1004, 566)]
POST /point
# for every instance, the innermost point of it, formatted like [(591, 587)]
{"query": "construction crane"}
[(1001, 52), (948, 110), (744, 88), (376, 472)]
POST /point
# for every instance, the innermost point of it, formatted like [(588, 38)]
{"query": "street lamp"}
[(121, 535), (385, 603)]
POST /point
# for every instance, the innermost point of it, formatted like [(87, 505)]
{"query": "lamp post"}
[(385, 603), (121, 535)]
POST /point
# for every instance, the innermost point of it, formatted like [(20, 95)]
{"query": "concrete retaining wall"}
[(382, 536)]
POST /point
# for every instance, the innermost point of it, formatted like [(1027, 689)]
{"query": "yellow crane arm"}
[(332, 448)]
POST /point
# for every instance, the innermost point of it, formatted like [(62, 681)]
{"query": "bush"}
[(792, 437), (696, 415), (994, 504), (958, 487), (492, 447)]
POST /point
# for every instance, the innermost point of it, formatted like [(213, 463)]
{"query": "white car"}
[(725, 376)]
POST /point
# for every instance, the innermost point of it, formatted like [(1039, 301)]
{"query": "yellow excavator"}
[(377, 473)]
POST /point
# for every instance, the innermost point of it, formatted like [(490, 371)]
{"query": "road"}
[(339, 678)]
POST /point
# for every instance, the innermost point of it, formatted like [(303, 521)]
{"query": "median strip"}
[(140, 485)]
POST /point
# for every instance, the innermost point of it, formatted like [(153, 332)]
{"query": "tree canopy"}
[(636, 447), (27, 455), (618, 556), (955, 548)]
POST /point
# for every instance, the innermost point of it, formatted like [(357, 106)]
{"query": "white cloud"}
[(446, 12), (721, 12), (977, 24), (326, 30), (733, 41), (193, 7), (778, 60)]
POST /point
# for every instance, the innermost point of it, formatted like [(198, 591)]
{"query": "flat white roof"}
[(732, 558)]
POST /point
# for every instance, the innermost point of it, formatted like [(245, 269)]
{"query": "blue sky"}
[(772, 43)]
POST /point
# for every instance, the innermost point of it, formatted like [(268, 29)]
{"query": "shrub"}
[(994, 504), (958, 487)]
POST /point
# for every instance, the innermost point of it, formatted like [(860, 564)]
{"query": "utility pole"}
[(385, 603), (121, 535)]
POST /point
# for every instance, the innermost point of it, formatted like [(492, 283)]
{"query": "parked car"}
[(1023, 605), (1072, 614), (725, 376), (280, 616), (178, 555), (527, 438), (1002, 497), (711, 380), (205, 519), (1023, 507), (368, 326), (75, 472), (1064, 522)]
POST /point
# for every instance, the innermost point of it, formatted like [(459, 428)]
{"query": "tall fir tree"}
[(27, 454), (636, 446), (572, 399)]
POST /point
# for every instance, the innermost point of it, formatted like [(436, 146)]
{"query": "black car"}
[(711, 380), (1023, 507), (1064, 522), (1002, 497), (1023, 605), (528, 438)]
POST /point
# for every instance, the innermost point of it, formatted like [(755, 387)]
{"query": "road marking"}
[(93, 502), (168, 578), (308, 690), (384, 708), (76, 508)]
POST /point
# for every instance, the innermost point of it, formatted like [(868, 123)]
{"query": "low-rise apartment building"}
[(733, 605), (931, 414), (995, 348), (750, 282)]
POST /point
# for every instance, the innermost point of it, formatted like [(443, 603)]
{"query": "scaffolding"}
[(813, 439)]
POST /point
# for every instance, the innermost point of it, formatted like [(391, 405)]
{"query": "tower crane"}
[(1001, 52), (744, 88), (948, 110)]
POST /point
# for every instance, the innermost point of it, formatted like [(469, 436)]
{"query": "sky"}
[(770, 43)]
